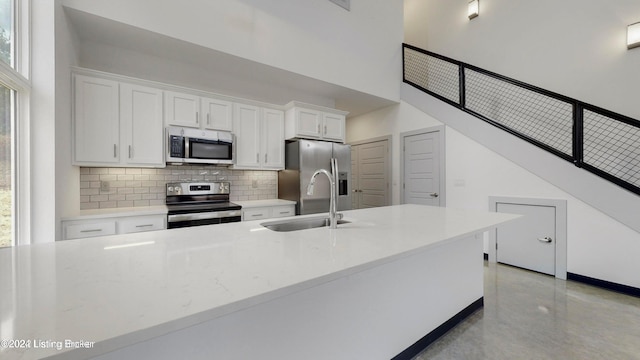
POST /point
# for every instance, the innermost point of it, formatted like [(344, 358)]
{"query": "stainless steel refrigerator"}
[(302, 159)]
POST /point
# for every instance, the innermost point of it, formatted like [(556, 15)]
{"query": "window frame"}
[(17, 79)]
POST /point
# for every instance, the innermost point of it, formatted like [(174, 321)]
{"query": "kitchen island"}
[(367, 290)]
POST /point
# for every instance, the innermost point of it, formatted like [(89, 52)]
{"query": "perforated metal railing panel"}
[(433, 74), (604, 143), (612, 146), (537, 116)]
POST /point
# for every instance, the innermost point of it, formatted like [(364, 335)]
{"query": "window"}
[(14, 91)]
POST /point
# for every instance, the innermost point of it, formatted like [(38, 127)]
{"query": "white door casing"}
[(537, 241)]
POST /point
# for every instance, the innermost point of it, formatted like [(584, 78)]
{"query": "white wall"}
[(573, 47), (42, 119), (67, 177), (357, 49), (598, 246)]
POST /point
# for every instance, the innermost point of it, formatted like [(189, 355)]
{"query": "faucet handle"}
[(339, 216)]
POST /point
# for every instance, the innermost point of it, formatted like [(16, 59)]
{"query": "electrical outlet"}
[(105, 186)]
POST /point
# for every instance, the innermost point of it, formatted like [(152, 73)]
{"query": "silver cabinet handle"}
[(115, 150), (90, 230), (325, 129), (145, 225), (318, 128), (254, 215), (545, 239), (434, 195), (129, 151), (257, 157), (197, 117), (284, 212), (265, 158)]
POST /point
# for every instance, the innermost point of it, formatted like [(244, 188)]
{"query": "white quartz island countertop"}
[(110, 292)]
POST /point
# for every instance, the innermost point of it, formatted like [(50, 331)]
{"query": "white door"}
[(217, 114), (370, 165), (246, 127), (530, 241), (142, 125), (272, 139), (96, 121), (182, 109), (308, 122), (333, 126), (422, 169)]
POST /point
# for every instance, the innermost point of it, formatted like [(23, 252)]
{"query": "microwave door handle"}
[(187, 143)]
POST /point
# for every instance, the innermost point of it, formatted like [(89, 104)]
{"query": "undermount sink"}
[(299, 224)]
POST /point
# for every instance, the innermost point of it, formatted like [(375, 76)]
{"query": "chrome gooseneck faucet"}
[(333, 179)]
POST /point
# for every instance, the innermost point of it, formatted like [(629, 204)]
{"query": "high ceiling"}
[(106, 45)]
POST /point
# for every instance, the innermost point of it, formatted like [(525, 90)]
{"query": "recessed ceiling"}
[(187, 64)]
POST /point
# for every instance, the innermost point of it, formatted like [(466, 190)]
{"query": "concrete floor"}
[(527, 315)]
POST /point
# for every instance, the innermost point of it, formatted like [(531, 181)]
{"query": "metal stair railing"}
[(595, 139)]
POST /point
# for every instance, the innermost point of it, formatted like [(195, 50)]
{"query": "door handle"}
[(434, 195), (545, 240)]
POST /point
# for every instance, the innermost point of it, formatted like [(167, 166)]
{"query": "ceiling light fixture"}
[(633, 35), (474, 9)]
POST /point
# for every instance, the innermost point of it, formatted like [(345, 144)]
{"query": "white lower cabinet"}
[(268, 212), (76, 229), (84, 229)]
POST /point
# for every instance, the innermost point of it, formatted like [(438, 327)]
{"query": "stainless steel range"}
[(200, 203)]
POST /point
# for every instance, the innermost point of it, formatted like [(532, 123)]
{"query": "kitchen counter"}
[(122, 292)]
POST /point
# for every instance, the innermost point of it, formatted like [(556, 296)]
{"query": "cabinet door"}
[(135, 224), (182, 109), (256, 213), (272, 139), (217, 114), (308, 123), (142, 131), (333, 126), (96, 121), (246, 126)]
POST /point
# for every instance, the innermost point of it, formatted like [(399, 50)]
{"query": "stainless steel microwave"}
[(195, 146)]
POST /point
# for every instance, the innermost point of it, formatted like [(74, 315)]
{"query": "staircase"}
[(589, 152)]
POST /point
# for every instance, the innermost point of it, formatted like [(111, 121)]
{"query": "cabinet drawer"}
[(76, 231), (142, 223), (282, 211), (256, 214)]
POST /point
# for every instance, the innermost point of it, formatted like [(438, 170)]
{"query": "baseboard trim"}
[(624, 289), (428, 339)]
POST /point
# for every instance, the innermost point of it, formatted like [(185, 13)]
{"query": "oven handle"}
[(203, 215)]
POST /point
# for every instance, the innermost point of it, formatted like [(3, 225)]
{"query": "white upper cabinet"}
[(198, 112), (217, 114), (259, 138), (96, 121), (117, 124), (272, 139), (142, 132), (307, 121), (181, 109)]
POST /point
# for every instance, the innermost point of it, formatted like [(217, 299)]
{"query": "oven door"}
[(203, 218), (210, 151)]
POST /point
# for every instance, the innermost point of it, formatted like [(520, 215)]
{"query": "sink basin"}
[(299, 224)]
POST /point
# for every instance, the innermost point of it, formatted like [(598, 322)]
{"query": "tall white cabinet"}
[(116, 124), (259, 137), (96, 125), (142, 130)]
